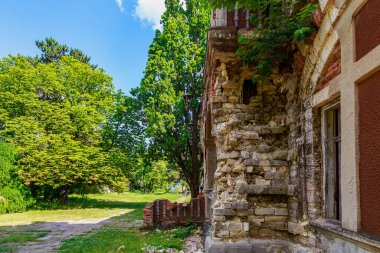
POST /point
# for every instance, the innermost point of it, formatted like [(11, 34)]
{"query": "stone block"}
[(257, 189), (280, 154), (218, 218), (275, 218), (250, 136), (273, 175), (233, 99), (246, 226), (235, 228), (256, 219), (251, 162), (249, 169), (281, 211), (234, 154), (261, 181), (222, 234), (264, 211), (279, 163), (231, 161), (267, 233), (278, 190), (279, 182), (238, 169), (294, 228), (224, 212), (263, 148), (265, 163), (279, 129), (245, 154), (240, 205)]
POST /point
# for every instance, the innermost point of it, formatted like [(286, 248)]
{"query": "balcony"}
[(237, 18)]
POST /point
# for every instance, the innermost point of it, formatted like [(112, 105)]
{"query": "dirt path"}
[(61, 230)]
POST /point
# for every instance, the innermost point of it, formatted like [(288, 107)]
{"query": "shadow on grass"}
[(50, 235), (84, 202)]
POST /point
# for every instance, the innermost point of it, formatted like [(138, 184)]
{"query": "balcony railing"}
[(237, 18)]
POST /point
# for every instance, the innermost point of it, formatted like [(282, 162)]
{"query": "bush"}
[(11, 201), (14, 196)]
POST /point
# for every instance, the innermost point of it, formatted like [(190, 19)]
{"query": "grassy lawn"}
[(92, 206), (130, 240), (114, 237), (9, 239)]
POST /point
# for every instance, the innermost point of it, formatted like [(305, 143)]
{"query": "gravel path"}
[(194, 244), (62, 230)]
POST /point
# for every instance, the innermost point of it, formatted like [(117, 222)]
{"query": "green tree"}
[(169, 94), (52, 51), (124, 139), (14, 196), (53, 112)]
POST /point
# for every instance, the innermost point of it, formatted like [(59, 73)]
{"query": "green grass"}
[(132, 240), (112, 238), (92, 206), (9, 239), (125, 207)]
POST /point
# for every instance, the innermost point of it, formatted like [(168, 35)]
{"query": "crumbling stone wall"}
[(252, 180), (269, 178)]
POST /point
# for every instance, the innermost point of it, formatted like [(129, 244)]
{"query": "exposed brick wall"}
[(332, 70), (164, 213)]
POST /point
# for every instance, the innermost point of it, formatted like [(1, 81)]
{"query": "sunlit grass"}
[(110, 240), (92, 206)]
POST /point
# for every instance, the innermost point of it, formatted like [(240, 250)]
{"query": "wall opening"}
[(249, 90)]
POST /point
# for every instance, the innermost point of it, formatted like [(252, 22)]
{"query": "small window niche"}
[(249, 90)]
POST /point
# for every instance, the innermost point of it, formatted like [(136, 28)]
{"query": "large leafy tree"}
[(169, 94), (53, 109)]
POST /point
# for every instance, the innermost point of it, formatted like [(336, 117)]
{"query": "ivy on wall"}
[(278, 24)]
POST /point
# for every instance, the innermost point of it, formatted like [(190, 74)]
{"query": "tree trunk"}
[(64, 195), (194, 188)]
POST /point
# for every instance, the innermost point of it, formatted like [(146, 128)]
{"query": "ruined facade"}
[(291, 165)]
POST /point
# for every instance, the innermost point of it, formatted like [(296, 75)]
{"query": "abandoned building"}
[(292, 165)]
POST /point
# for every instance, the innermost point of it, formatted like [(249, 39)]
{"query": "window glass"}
[(332, 163)]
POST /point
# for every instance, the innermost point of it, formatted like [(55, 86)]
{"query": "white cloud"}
[(150, 11), (120, 4)]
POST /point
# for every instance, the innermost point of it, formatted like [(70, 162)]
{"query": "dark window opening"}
[(249, 90), (332, 163)]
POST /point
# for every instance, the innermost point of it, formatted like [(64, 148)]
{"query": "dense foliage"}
[(278, 24), (14, 196), (53, 109), (169, 94), (125, 139)]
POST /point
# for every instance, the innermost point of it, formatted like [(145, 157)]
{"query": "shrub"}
[(14, 196)]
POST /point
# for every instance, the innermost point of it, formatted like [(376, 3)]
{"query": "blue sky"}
[(115, 33)]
